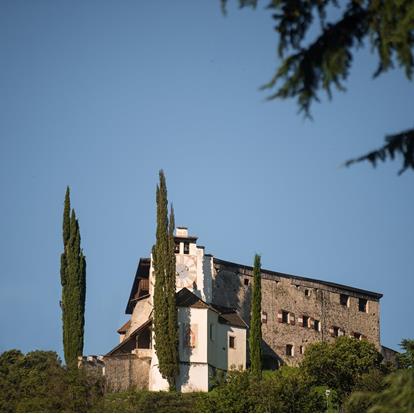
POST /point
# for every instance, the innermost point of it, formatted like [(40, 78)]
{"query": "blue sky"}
[(100, 95)]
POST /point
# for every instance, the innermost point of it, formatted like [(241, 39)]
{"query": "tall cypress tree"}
[(165, 310), (73, 280), (255, 337)]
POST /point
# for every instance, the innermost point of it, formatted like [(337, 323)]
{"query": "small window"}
[(344, 300), (305, 320), (232, 342), (363, 305), (264, 317), (186, 248), (246, 282), (285, 317), (316, 325), (358, 336), (307, 292), (301, 349), (177, 248), (335, 331), (212, 332), (289, 350)]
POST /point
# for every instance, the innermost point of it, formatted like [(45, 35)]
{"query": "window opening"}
[(186, 248), (177, 248), (264, 317), (316, 325), (363, 305), (301, 350), (289, 350), (285, 316), (305, 320), (307, 292), (344, 300), (232, 342), (246, 282)]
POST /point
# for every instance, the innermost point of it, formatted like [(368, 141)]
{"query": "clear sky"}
[(100, 95)]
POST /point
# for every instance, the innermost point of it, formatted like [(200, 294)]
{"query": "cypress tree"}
[(255, 337), (73, 280), (165, 310)]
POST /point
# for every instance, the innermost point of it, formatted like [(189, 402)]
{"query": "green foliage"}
[(37, 382), (285, 390), (406, 359), (73, 281), (165, 310), (340, 365), (151, 402), (255, 338), (308, 66)]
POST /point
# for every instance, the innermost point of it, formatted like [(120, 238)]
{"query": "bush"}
[(37, 382)]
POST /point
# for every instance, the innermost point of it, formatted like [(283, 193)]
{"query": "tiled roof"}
[(270, 274), (228, 316), (128, 343)]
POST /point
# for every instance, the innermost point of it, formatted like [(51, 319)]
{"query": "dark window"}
[(335, 331), (357, 336), (307, 292), (285, 316), (186, 247), (232, 342), (177, 248), (246, 282), (316, 325), (344, 300), (301, 349), (289, 350), (305, 321), (363, 305)]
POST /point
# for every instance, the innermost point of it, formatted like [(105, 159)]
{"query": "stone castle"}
[(213, 302)]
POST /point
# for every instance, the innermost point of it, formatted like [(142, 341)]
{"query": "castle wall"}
[(124, 372), (305, 302)]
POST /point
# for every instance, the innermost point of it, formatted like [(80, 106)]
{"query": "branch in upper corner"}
[(402, 144)]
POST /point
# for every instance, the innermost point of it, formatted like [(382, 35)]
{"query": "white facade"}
[(207, 342)]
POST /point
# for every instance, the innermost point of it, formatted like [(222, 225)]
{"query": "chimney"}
[(181, 232)]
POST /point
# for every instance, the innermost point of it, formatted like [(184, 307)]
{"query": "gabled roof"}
[(229, 316), (124, 327), (141, 273), (128, 344), (270, 274)]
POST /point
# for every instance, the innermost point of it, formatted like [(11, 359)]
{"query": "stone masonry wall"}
[(124, 372), (232, 287)]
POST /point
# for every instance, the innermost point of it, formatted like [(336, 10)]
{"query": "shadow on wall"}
[(234, 291), (187, 340)]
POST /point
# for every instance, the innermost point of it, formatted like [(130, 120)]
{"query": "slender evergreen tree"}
[(165, 310), (255, 337), (73, 280)]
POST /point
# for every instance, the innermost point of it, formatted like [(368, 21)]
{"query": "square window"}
[(246, 282), (305, 320), (289, 350), (357, 336), (363, 305), (307, 292), (344, 300), (285, 316), (232, 342)]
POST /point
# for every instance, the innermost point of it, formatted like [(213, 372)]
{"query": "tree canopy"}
[(308, 66)]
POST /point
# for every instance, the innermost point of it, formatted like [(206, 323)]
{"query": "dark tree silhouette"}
[(325, 62)]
